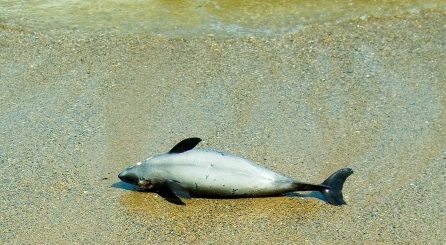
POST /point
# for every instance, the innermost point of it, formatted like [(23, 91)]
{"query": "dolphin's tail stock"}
[(331, 188)]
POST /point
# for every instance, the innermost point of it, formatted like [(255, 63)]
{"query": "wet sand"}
[(75, 109)]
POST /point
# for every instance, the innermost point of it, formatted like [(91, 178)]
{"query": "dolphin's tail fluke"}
[(335, 182), (331, 188)]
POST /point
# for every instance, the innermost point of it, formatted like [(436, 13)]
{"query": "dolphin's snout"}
[(128, 177), (121, 175)]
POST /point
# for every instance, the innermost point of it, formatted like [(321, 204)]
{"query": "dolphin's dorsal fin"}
[(185, 145)]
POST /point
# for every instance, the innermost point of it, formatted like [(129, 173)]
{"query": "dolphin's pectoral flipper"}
[(176, 188), (169, 196), (185, 145)]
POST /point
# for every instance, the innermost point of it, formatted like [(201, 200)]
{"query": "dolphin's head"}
[(134, 175)]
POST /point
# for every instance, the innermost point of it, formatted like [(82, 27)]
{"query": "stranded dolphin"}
[(184, 172)]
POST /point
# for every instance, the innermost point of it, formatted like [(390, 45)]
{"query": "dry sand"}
[(76, 109)]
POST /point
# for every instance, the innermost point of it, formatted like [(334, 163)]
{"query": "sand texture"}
[(76, 109)]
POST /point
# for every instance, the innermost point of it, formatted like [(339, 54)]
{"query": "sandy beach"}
[(76, 109)]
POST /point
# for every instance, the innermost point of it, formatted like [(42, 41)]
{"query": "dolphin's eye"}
[(145, 184)]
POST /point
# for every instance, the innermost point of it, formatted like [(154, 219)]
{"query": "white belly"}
[(207, 172)]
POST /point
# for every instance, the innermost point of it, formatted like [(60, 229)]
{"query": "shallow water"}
[(192, 18)]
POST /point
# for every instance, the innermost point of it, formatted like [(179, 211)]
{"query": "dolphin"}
[(184, 172)]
